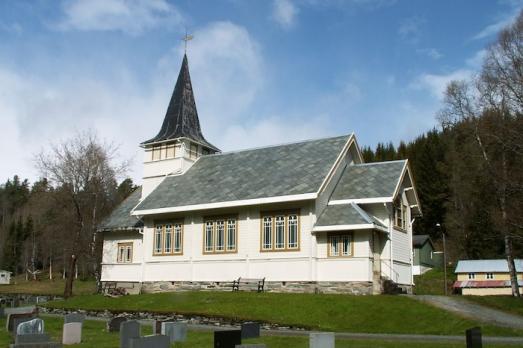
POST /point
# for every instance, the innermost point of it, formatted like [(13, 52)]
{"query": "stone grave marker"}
[(250, 330), (72, 333), (74, 318), (128, 330), (321, 340), (474, 338), (34, 326), (21, 310), (157, 326), (113, 325), (13, 320), (176, 331), (152, 341), (257, 345), (227, 338), (32, 338)]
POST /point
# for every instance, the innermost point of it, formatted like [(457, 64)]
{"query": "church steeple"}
[(181, 119)]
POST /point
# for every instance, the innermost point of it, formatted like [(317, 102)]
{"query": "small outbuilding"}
[(486, 277), (425, 255), (5, 277)]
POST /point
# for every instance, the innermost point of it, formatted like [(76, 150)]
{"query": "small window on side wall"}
[(472, 276), (125, 253), (340, 245)]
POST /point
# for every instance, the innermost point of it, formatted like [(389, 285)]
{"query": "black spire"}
[(181, 118)]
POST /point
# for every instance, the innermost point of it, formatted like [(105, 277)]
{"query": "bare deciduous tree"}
[(84, 170)]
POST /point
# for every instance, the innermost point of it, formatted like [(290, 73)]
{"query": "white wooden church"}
[(305, 217)]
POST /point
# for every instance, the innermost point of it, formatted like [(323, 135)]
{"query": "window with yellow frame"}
[(168, 238)]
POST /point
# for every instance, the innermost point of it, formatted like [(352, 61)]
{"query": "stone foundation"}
[(351, 288)]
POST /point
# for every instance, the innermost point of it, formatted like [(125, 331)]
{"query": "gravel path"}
[(471, 310)]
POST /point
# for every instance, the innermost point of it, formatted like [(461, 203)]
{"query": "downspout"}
[(391, 268), (411, 253), (142, 275)]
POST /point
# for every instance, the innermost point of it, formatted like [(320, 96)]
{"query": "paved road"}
[(472, 310), (343, 335)]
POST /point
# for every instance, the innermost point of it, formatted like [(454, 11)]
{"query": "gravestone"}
[(34, 326), (157, 326), (13, 320), (256, 345), (321, 340), (227, 338), (21, 310), (72, 333), (74, 318), (474, 338), (128, 330), (250, 330), (32, 338), (176, 331), (153, 341), (113, 325)]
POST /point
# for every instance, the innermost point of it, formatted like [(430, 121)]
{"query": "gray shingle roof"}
[(370, 180), (345, 214), (259, 173), (341, 214), (472, 266), (120, 217), (419, 240)]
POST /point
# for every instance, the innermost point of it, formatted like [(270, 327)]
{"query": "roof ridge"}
[(276, 145)]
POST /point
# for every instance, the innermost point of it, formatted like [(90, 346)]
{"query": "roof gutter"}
[(238, 203)]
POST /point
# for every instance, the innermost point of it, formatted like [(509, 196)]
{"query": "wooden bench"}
[(252, 282)]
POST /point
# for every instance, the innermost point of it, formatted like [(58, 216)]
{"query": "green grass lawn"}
[(341, 313), (47, 287), (431, 282), (509, 304), (94, 335)]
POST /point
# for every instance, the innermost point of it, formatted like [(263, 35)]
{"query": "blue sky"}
[(264, 72)]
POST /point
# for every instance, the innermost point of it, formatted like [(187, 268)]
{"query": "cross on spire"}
[(187, 38)]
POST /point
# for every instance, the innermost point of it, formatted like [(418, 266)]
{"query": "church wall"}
[(249, 261), (111, 269)]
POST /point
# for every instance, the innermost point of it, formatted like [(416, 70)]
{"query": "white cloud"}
[(284, 13), (430, 52), (410, 29), (476, 61), (436, 84), (227, 72), (130, 16), (496, 27), (273, 130)]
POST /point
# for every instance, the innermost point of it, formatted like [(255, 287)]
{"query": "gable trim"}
[(343, 152), (361, 201), (348, 227)]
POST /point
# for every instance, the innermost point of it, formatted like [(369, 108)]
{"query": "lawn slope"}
[(342, 313)]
